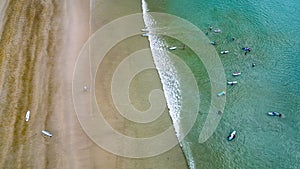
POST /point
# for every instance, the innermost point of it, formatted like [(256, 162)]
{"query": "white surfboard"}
[(27, 116), (172, 48), (47, 133), (224, 52), (232, 83)]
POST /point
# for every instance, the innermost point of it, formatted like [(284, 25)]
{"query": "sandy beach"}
[(37, 60), (38, 54)]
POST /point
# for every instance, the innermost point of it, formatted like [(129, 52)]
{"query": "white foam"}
[(190, 159), (165, 68)]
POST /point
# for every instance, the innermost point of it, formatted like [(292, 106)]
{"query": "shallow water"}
[(270, 29)]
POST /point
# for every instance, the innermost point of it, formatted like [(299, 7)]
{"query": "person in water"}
[(253, 64), (183, 47), (213, 43), (247, 50), (219, 112)]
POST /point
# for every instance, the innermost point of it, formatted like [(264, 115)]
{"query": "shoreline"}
[(101, 16)]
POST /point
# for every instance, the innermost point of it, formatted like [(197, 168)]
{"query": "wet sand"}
[(40, 43)]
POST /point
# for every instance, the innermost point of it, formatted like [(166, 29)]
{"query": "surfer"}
[(219, 112), (217, 30), (213, 43), (232, 135), (224, 52), (183, 47), (275, 114), (246, 49)]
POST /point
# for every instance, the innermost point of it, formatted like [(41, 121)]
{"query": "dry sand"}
[(40, 79), (39, 47)]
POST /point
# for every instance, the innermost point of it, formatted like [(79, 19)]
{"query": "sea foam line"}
[(166, 70)]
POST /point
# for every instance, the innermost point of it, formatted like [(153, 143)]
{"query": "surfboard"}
[(224, 52), (27, 116), (232, 83), (172, 48), (47, 133), (236, 74)]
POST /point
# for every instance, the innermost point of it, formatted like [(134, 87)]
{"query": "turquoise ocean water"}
[(272, 30)]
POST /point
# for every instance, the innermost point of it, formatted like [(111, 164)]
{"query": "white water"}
[(189, 157), (166, 69)]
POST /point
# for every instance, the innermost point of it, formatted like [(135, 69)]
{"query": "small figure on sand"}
[(85, 88)]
